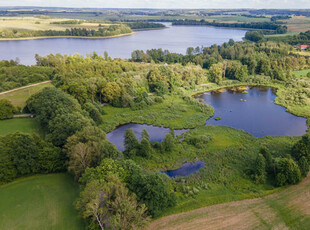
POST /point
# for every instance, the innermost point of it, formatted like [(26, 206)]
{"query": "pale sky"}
[(192, 4)]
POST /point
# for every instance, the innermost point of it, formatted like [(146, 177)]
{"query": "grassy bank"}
[(40, 202)]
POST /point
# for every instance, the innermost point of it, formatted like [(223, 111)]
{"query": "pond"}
[(254, 112), (116, 137), (186, 169), (174, 38)]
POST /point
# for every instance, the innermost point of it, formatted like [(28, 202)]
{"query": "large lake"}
[(254, 112), (174, 38)]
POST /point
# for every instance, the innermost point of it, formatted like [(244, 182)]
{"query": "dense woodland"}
[(124, 190), (13, 75)]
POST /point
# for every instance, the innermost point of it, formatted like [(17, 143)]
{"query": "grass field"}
[(298, 24), (40, 202), (32, 23), (25, 125), (301, 73), (287, 209), (19, 97)]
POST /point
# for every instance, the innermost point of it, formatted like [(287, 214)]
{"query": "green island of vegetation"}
[(60, 170)]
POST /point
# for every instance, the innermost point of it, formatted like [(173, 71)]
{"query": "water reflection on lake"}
[(116, 137), (254, 112), (186, 169)]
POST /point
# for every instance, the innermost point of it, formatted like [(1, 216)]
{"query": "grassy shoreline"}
[(54, 37)]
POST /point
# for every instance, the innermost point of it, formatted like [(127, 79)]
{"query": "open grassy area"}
[(36, 23), (174, 113), (25, 125), (40, 202), (20, 96), (301, 73), (288, 209)]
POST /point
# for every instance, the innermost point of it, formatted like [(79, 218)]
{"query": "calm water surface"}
[(174, 38), (186, 169), (116, 137), (256, 113)]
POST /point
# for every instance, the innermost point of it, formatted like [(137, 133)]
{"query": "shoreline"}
[(74, 37)]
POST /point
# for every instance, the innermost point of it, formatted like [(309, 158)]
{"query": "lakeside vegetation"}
[(93, 95)]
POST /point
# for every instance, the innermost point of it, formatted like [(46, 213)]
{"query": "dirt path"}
[(25, 87), (288, 209)]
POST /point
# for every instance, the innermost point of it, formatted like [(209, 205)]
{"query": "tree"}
[(145, 135), (254, 36), (168, 143), (302, 148), (112, 93), (216, 72), (108, 204), (64, 126), (260, 169), (83, 156), (288, 172), (145, 148), (269, 161), (130, 141), (304, 166), (7, 110), (93, 113), (24, 153), (49, 103)]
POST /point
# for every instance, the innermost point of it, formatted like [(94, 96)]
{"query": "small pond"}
[(186, 169), (116, 137), (254, 111)]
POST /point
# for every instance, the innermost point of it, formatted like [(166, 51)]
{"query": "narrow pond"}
[(254, 112), (186, 169), (116, 137)]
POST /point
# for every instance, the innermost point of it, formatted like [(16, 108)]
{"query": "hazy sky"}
[(297, 4)]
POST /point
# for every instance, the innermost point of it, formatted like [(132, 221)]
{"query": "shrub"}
[(7, 110)]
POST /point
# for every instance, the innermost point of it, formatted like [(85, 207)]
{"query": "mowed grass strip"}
[(288, 209), (24, 125), (40, 202), (20, 96)]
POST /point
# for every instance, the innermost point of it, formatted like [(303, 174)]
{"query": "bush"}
[(288, 172), (7, 110)]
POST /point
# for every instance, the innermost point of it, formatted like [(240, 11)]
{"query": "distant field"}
[(25, 125), (298, 24), (288, 209), (232, 18), (32, 23), (19, 97), (301, 73), (40, 202)]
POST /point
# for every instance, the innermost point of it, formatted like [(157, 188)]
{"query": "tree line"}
[(251, 25), (111, 30)]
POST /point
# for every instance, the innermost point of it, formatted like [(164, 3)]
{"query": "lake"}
[(254, 112), (116, 137), (174, 38)]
